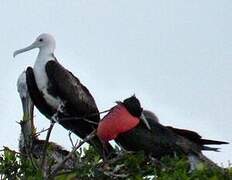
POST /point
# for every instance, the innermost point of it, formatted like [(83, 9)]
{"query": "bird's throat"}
[(117, 121)]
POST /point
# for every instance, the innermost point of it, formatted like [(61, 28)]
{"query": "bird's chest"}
[(43, 83), (41, 76)]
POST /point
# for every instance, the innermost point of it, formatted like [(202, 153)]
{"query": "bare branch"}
[(114, 175), (85, 118), (102, 112), (38, 133), (46, 145), (77, 118), (70, 138), (86, 139)]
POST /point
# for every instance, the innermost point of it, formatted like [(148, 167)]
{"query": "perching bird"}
[(190, 135), (124, 124), (58, 94), (29, 143)]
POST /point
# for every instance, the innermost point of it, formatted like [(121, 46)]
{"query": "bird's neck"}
[(46, 53)]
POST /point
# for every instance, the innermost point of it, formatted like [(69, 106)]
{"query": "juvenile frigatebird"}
[(58, 94), (29, 143), (124, 124)]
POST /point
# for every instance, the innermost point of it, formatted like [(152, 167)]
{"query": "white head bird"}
[(45, 42), (57, 93)]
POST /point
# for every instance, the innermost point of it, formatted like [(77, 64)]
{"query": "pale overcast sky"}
[(176, 56)]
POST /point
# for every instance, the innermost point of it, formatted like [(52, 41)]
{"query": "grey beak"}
[(28, 48), (144, 119)]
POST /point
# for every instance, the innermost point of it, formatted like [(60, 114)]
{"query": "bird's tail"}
[(207, 148), (212, 142)]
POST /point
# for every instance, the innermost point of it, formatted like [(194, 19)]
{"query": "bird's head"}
[(133, 105), (151, 116), (123, 117), (43, 41)]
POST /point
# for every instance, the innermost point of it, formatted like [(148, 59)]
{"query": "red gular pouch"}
[(117, 121)]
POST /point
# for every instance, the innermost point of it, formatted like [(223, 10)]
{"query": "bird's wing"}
[(36, 95), (194, 137), (70, 89), (191, 135)]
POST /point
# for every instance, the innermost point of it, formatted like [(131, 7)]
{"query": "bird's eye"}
[(40, 39)]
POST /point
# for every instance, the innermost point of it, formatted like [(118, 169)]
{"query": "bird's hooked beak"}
[(28, 48), (144, 120)]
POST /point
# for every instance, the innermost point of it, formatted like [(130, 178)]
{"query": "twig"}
[(89, 121), (102, 112), (46, 144), (114, 175), (73, 145), (38, 133), (84, 117), (70, 138), (77, 118), (86, 139), (118, 167)]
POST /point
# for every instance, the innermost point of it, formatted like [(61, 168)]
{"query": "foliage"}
[(129, 166), (14, 165)]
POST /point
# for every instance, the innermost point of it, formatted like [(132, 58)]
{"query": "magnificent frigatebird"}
[(190, 135), (58, 94), (123, 123), (29, 143)]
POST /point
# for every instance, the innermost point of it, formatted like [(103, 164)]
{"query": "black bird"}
[(190, 135), (58, 94), (124, 124)]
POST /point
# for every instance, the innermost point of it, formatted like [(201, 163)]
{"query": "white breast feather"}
[(42, 80)]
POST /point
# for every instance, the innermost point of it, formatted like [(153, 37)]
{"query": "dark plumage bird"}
[(190, 135), (58, 94), (125, 124), (29, 143)]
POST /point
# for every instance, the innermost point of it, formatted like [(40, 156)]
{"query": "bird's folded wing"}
[(36, 95), (70, 88)]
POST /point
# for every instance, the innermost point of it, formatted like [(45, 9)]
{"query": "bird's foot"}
[(55, 118), (61, 107)]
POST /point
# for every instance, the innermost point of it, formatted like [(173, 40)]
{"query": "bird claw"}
[(55, 118), (60, 109)]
